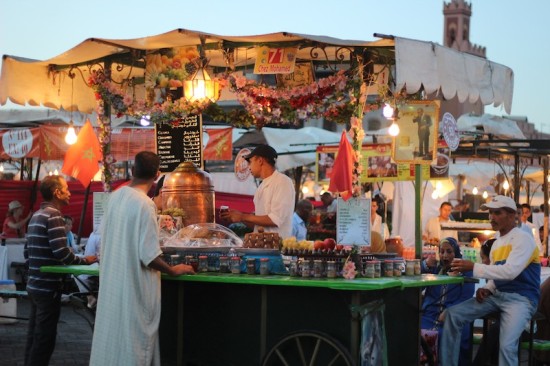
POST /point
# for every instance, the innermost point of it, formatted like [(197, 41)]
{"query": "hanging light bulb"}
[(435, 195), (387, 111), (56, 172), (70, 137), (394, 129), (475, 191), (1, 167), (145, 120), (506, 185), (485, 194)]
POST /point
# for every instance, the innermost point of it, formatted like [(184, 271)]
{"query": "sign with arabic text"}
[(179, 141)]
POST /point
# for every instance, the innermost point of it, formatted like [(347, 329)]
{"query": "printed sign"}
[(275, 60), (179, 141), (353, 221)]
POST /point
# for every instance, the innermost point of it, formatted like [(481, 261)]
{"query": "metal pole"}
[(418, 210), (545, 190), (83, 213)]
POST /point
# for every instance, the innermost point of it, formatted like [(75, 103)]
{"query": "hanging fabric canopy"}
[(417, 63)]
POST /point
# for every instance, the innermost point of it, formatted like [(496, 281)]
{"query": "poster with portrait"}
[(417, 140), (325, 162)]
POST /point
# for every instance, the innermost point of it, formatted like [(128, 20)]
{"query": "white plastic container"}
[(8, 306)]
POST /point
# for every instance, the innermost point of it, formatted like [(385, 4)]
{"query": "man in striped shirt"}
[(47, 245)]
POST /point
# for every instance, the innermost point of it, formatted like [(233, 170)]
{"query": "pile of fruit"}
[(327, 246)]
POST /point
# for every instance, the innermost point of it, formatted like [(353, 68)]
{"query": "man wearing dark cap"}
[(512, 288), (274, 199)]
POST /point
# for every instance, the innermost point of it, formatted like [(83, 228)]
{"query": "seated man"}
[(512, 288), (300, 219)]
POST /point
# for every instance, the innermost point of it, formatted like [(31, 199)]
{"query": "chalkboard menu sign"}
[(179, 141), (353, 221)]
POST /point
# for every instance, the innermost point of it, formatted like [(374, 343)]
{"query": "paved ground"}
[(74, 338)]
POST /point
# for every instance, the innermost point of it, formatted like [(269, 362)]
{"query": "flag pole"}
[(83, 213)]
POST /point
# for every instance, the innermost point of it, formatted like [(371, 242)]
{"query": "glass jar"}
[(203, 263), (331, 269), (317, 268), (264, 266), (397, 268), (388, 268), (293, 269), (369, 269), (417, 267), (251, 266), (235, 265), (409, 267), (224, 264), (377, 269), (306, 268), (174, 259)]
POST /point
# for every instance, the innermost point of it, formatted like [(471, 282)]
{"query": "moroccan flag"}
[(81, 160), (220, 144), (341, 178)]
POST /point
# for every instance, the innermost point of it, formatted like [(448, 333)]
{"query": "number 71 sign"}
[(275, 60)]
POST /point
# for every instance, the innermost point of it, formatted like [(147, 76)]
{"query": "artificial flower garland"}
[(337, 98)]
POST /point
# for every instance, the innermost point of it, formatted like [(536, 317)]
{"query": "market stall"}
[(243, 317)]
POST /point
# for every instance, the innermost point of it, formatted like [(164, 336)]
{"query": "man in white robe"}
[(128, 309)]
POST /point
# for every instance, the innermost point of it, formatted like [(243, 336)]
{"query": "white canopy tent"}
[(417, 63)]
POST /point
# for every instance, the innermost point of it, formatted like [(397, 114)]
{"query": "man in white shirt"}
[(433, 232), (273, 200), (528, 226), (300, 219)]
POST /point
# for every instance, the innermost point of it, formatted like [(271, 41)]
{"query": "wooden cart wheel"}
[(308, 348)]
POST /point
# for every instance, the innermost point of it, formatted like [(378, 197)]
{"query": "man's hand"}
[(181, 269), (461, 265), (232, 216), (90, 259), (482, 294)]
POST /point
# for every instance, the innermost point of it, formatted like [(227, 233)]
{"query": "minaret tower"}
[(456, 35)]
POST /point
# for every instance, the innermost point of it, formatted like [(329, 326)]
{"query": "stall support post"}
[(545, 190), (418, 210)]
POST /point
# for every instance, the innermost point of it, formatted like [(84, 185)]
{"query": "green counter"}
[(226, 319)]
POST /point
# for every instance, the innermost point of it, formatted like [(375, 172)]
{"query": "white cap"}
[(500, 202)]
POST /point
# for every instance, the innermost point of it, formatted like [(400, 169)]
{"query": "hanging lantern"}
[(201, 87)]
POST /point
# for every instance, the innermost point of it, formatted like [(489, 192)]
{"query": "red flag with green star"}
[(81, 160)]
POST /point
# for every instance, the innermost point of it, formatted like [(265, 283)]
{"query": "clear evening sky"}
[(515, 33)]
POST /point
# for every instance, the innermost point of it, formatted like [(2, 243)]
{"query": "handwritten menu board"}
[(353, 222), (99, 206), (179, 141)]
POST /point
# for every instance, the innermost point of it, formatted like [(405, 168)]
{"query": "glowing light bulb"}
[(145, 120), (435, 195), (506, 185), (485, 194), (56, 172), (1, 168), (387, 111), (475, 191), (70, 137), (394, 129), (305, 190)]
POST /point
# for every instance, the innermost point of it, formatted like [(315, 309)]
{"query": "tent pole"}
[(35, 185), (418, 210), (545, 191), (83, 214)]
